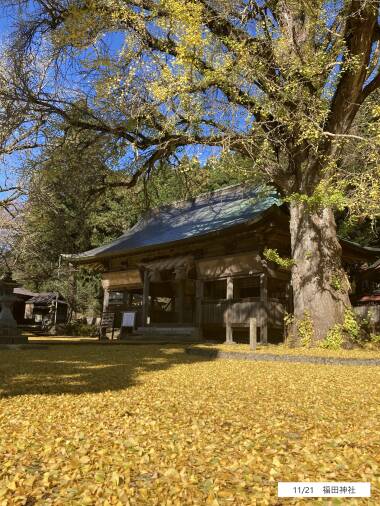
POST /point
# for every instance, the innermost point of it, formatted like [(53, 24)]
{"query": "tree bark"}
[(320, 285)]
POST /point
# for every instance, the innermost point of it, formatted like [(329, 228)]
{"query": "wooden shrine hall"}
[(197, 267)]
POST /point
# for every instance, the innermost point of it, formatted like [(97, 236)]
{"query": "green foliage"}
[(334, 339), (351, 324), (304, 329), (71, 206), (336, 282), (78, 329), (375, 339), (325, 194), (273, 256), (340, 333), (267, 90), (190, 178), (288, 319), (80, 288), (363, 231)]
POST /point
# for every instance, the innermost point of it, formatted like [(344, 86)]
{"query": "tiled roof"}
[(191, 218), (24, 292), (43, 298)]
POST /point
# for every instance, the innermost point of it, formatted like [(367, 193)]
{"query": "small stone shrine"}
[(9, 333)]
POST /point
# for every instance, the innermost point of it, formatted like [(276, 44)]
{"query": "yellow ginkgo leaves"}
[(150, 425)]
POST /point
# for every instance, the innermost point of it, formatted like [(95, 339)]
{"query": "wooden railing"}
[(239, 311)]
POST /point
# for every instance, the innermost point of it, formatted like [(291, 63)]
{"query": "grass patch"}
[(151, 425)]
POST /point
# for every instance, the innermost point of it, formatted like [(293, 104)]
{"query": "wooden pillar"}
[(180, 300), (127, 298), (106, 298), (264, 308), (229, 297), (145, 306), (253, 334), (198, 306)]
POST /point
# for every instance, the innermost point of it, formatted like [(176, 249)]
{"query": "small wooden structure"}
[(19, 307), (46, 309), (9, 333), (197, 267)]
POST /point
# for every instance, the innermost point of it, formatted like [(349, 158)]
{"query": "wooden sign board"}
[(129, 318), (107, 319)]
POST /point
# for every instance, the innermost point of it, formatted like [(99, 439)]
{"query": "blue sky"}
[(115, 41)]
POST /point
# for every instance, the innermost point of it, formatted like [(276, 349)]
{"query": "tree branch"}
[(358, 35), (371, 86)]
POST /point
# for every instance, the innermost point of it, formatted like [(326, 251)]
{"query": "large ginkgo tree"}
[(280, 82)]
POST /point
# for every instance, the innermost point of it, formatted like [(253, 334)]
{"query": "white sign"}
[(324, 489), (128, 319)]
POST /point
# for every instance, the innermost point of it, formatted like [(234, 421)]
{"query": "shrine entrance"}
[(169, 292), (172, 302)]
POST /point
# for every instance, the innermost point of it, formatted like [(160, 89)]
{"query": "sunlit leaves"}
[(151, 425)]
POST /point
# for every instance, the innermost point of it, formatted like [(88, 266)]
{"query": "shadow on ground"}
[(84, 369)]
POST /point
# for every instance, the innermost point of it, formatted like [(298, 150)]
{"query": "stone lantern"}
[(9, 333)]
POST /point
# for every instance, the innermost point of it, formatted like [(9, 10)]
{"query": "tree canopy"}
[(72, 205), (280, 82)]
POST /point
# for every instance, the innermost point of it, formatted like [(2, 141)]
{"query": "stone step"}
[(166, 331), (180, 340)]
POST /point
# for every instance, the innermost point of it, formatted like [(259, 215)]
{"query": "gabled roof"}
[(188, 219), (23, 292), (44, 298), (209, 213)]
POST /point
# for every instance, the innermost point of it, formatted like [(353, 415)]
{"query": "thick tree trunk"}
[(320, 285)]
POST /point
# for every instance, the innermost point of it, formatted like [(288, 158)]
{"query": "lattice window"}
[(245, 288), (215, 289)]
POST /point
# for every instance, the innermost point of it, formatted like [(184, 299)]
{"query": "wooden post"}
[(229, 296), (180, 302), (145, 307), (253, 333), (127, 298), (198, 306), (106, 298), (264, 308)]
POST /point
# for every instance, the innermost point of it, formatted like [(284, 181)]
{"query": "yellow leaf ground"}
[(281, 349), (105, 425)]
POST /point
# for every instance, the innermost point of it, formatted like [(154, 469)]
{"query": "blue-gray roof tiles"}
[(192, 218)]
